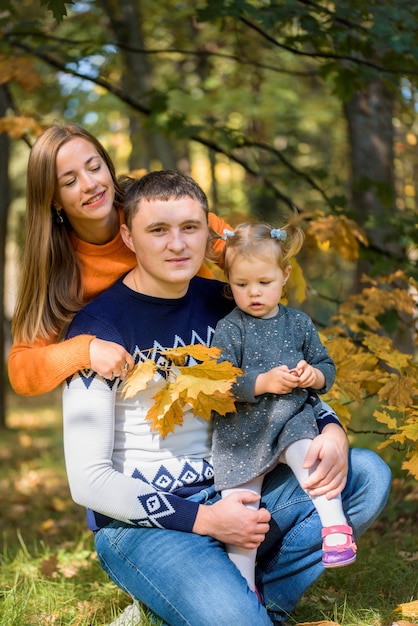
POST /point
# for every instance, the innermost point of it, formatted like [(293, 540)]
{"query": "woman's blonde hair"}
[(50, 290), (260, 240)]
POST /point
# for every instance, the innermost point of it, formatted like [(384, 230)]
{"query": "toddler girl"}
[(285, 366)]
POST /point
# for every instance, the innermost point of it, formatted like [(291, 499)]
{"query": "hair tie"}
[(227, 234), (278, 233)]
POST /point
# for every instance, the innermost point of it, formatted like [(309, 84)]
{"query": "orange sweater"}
[(38, 368)]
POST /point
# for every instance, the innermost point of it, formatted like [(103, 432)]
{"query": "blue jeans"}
[(188, 580)]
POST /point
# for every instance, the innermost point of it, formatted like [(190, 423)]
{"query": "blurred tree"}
[(282, 107), (4, 208)]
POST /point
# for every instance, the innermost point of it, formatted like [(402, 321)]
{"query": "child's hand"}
[(278, 380), (309, 376)]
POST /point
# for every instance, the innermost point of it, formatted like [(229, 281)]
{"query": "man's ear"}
[(127, 237)]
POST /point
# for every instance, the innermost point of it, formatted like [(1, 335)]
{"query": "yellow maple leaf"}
[(198, 352), (384, 349), (212, 370), (398, 391), (222, 403), (411, 464), (408, 609), (196, 385), (139, 378), (339, 232), (167, 410), (203, 387), (384, 418)]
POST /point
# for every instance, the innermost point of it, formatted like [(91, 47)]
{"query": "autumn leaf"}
[(340, 233), (411, 463), (384, 418), (21, 70), (48, 567), (167, 410), (398, 391), (222, 403), (212, 370), (297, 282), (198, 352), (203, 388), (409, 609), (139, 378)]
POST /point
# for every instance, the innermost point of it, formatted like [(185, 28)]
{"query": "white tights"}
[(330, 511)]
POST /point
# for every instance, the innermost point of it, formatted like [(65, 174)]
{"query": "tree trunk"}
[(125, 20), (370, 126), (4, 208), (369, 115)]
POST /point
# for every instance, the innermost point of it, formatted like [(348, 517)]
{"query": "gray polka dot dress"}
[(248, 443)]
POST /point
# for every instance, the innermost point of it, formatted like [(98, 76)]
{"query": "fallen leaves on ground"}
[(408, 609)]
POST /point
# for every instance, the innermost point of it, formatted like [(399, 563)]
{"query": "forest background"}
[(279, 109)]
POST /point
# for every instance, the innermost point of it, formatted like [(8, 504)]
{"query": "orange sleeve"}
[(218, 225), (38, 368)]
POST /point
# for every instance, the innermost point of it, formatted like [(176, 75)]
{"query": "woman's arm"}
[(40, 367)]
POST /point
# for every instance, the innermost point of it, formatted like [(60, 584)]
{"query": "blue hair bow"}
[(278, 233), (227, 233)]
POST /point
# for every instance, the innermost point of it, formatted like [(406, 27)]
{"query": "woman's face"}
[(84, 187)]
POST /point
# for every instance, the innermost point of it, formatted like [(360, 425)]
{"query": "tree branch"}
[(324, 55)]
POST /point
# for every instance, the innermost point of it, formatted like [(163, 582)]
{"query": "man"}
[(159, 524)]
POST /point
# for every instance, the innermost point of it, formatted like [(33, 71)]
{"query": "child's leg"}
[(330, 512), (242, 558)]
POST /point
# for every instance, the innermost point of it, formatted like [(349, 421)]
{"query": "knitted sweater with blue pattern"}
[(117, 466)]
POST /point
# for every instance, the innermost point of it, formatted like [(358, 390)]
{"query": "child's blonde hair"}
[(261, 240)]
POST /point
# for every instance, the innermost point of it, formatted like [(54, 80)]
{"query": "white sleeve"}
[(89, 417)]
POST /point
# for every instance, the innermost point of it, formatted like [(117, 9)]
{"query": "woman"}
[(73, 251)]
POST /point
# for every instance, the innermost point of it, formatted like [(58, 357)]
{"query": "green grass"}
[(50, 576)]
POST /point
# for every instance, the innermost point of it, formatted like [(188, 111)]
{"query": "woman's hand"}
[(110, 359), (328, 454), (230, 521)]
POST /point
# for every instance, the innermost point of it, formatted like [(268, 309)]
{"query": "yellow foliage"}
[(21, 70), (205, 387), (16, 127), (198, 352), (139, 378), (340, 233), (369, 365), (408, 609), (167, 410), (297, 282)]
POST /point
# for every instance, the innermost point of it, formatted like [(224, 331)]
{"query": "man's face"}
[(169, 239)]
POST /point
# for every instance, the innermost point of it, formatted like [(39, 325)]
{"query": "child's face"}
[(257, 285)]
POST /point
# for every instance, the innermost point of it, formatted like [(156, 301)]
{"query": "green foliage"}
[(251, 96), (58, 8)]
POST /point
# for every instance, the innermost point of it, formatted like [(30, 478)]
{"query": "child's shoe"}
[(339, 555)]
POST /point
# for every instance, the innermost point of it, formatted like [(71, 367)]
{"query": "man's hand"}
[(230, 521), (329, 453)]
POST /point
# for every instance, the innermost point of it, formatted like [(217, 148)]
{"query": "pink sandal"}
[(339, 555)]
